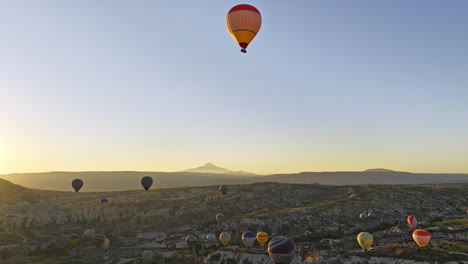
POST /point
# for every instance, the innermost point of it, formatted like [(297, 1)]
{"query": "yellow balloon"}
[(243, 23), (106, 244), (262, 238), (225, 238), (365, 240)]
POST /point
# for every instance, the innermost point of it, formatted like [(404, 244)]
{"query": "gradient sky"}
[(161, 86)]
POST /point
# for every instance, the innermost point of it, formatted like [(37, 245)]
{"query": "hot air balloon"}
[(104, 202), (147, 256), (262, 238), (224, 189), (4, 252), (98, 240), (191, 239), (106, 244), (74, 240), (33, 246), (421, 237), (225, 238), (220, 218), (211, 238), (281, 250), (370, 214), (77, 184), (89, 233), (146, 182), (412, 221), (363, 215), (243, 23), (365, 240), (249, 238)]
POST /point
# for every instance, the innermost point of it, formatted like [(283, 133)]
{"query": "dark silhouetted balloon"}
[(224, 189), (146, 182), (77, 184)]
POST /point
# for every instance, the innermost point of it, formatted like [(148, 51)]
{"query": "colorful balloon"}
[(220, 218), (243, 23), (89, 233), (412, 221), (74, 240), (262, 238), (225, 238), (421, 237), (146, 182), (106, 244), (282, 250), (98, 240), (211, 238), (147, 256), (224, 189), (77, 184), (249, 238), (365, 240)]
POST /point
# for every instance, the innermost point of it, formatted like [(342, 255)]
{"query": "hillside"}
[(130, 180)]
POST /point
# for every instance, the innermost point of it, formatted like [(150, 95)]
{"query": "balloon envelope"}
[(421, 237), (104, 201), (282, 250), (262, 238), (365, 240), (77, 184), (224, 189), (191, 239), (363, 215), (106, 244), (98, 240), (211, 238), (249, 238), (220, 218), (225, 238), (74, 240), (147, 256), (146, 182), (243, 22), (412, 221)]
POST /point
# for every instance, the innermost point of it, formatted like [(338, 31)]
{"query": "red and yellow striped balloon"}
[(243, 22), (421, 237)]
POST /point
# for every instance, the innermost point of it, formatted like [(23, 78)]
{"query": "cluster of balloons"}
[(420, 236)]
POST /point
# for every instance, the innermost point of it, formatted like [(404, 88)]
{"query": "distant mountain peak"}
[(211, 168), (378, 170)]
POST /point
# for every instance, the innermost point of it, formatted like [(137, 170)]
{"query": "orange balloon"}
[(243, 22)]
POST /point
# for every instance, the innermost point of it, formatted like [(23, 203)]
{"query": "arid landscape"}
[(323, 220)]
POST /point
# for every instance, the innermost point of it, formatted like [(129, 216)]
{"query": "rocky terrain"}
[(323, 221)]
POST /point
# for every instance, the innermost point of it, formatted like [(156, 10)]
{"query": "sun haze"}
[(161, 86)]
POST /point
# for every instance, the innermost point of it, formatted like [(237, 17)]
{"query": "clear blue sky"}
[(160, 85)]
